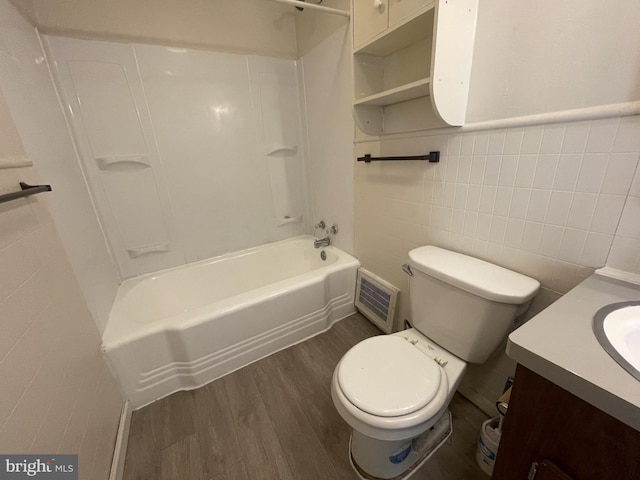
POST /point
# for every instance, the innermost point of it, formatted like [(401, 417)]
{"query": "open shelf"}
[(417, 89), (400, 35), (394, 64)]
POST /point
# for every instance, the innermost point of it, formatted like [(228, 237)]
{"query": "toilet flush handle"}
[(407, 269)]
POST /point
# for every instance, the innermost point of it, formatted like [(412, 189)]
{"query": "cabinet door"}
[(545, 421), (401, 9), (370, 17), (547, 470)]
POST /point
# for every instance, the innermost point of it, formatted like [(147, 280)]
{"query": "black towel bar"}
[(433, 157), (25, 191)]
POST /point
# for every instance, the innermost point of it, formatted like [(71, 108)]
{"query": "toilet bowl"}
[(394, 390), (391, 405), (400, 399)]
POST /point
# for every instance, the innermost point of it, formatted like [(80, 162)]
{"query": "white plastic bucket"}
[(487, 449)]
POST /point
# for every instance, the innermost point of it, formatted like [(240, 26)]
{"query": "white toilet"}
[(394, 390)]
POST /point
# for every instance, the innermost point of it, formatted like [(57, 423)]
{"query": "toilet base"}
[(374, 459)]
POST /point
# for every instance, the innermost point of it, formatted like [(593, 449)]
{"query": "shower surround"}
[(188, 154)]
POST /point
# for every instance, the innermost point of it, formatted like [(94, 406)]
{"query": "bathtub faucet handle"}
[(332, 230), (320, 224)]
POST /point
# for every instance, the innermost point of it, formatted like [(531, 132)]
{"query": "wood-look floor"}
[(274, 420)]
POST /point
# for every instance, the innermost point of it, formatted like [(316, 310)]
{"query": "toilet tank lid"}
[(474, 275)]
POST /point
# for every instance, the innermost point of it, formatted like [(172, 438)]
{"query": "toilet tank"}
[(464, 304)]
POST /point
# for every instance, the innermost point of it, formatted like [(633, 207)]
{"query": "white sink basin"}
[(617, 328)]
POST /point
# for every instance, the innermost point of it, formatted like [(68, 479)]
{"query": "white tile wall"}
[(625, 251), (36, 112), (562, 206), (552, 201), (57, 394)]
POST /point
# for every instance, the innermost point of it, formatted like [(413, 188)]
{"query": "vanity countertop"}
[(559, 344)]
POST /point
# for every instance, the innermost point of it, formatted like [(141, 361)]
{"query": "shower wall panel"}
[(188, 154), (100, 86), (275, 93)]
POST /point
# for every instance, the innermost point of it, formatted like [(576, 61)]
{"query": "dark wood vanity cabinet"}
[(567, 436), (547, 470)]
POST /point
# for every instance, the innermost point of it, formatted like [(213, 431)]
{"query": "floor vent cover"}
[(376, 299)]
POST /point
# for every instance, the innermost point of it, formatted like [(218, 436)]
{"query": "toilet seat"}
[(412, 424), (387, 376), (390, 428)]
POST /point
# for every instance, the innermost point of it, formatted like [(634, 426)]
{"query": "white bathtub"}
[(183, 327)]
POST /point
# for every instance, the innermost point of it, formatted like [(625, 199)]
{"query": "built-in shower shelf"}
[(409, 91), (285, 149), (136, 252), (15, 161), (105, 163), (286, 220)]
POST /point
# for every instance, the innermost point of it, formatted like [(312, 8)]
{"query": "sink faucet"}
[(322, 242)]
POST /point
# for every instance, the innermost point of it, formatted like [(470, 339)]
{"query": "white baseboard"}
[(487, 405), (122, 438)]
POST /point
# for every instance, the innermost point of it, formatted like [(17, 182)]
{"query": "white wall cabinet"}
[(375, 16), (412, 63), (372, 19)]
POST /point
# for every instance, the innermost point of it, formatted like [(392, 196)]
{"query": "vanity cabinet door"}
[(545, 421), (547, 470), (401, 9), (370, 18)]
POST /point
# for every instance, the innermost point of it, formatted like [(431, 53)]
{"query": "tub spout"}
[(322, 242)]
